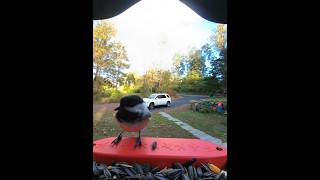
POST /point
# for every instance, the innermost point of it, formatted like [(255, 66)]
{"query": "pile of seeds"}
[(186, 171)]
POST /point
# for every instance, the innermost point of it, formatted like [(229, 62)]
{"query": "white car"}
[(157, 100)]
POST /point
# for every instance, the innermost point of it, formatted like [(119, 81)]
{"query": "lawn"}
[(214, 124), (106, 126)]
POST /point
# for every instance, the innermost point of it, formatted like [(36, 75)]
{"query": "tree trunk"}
[(97, 73)]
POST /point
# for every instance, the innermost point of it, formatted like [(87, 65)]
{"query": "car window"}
[(168, 96), (163, 96), (159, 97), (151, 96)]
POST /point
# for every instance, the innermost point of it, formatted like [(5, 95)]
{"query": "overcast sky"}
[(153, 30)]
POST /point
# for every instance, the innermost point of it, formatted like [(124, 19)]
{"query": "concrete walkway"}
[(195, 132)]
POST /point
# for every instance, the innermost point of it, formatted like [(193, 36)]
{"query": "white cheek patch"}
[(146, 111), (139, 108)]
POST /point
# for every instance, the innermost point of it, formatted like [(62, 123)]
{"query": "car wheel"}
[(151, 106), (168, 104)]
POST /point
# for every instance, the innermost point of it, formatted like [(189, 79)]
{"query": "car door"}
[(158, 100), (163, 100)]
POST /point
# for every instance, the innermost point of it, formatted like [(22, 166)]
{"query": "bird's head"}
[(132, 109)]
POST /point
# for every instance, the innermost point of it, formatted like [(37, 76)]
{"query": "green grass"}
[(105, 125), (213, 124)]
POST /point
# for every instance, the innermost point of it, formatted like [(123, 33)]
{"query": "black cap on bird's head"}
[(130, 101), (132, 109)]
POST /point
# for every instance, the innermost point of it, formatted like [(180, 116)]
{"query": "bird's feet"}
[(117, 140), (138, 142)]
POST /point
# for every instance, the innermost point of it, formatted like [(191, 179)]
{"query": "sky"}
[(152, 31)]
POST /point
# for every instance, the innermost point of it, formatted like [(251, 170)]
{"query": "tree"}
[(196, 63), (147, 82), (220, 37), (109, 56), (130, 79), (102, 45), (179, 64), (119, 62), (218, 63), (201, 78), (164, 81), (157, 80), (217, 68)]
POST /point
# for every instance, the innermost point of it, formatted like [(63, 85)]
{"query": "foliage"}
[(109, 57), (199, 71)]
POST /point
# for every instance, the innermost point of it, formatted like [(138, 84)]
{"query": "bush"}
[(206, 106), (107, 95), (107, 92), (116, 95), (137, 90), (145, 94)]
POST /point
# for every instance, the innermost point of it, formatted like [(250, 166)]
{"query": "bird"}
[(132, 116)]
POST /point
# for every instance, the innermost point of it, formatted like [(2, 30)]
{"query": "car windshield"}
[(152, 96)]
